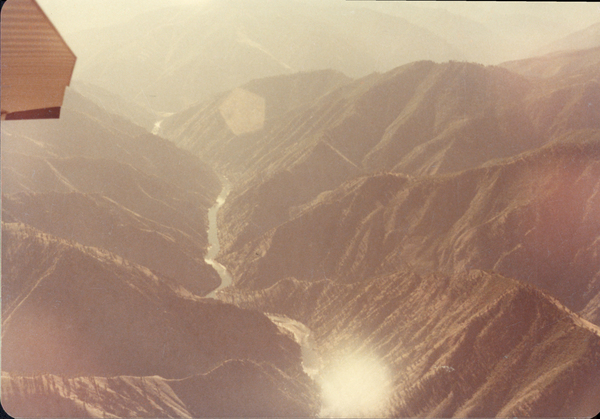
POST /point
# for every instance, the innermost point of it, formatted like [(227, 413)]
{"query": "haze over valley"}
[(309, 209)]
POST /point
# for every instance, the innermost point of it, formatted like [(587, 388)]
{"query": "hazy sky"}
[(74, 15), (484, 32)]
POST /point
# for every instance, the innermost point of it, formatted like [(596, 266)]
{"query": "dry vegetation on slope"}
[(419, 119), (471, 344), (534, 218), (98, 179), (76, 311), (104, 237)]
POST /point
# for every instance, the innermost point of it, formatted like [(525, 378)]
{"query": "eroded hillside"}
[(420, 119), (79, 315), (470, 344), (104, 232), (420, 242), (534, 218)]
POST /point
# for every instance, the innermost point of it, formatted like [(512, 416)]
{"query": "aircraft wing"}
[(36, 64)]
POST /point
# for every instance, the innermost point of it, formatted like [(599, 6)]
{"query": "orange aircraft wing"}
[(36, 64)]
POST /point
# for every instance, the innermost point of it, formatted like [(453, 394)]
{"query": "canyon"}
[(340, 231)]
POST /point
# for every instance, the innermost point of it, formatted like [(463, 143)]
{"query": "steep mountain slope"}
[(534, 218), (101, 310), (470, 344), (419, 119), (78, 311), (204, 130), (114, 104), (98, 179), (71, 309), (235, 388), (97, 220), (414, 104), (86, 130)]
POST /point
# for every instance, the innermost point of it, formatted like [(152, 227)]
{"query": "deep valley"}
[(251, 209)]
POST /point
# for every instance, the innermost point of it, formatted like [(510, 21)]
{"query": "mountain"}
[(531, 217), (403, 237), (75, 310), (526, 27), (561, 67), (479, 42), (435, 345), (103, 241), (99, 179), (169, 59), (565, 97), (116, 105), (93, 219), (87, 130), (235, 388), (584, 39), (419, 119), (72, 311)]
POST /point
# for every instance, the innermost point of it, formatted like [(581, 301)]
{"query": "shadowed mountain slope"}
[(470, 344), (419, 119), (533, 217), (78, 310), (235, 388), (98, 179), (84, 315)]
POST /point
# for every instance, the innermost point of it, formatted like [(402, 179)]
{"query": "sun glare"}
[(355, 386)]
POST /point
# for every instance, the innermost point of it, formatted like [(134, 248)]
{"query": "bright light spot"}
[(243, 111), (355, 386)]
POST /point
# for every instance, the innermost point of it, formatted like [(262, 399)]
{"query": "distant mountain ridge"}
[(419, 119), (157, 58), (584, 39)]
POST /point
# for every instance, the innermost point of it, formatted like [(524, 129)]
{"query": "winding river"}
[(311, 362), (213, 239)]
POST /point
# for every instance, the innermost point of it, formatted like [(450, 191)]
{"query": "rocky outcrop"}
[(98, 179), (235, 388), (533, 218), (73, 310), (469, 344)]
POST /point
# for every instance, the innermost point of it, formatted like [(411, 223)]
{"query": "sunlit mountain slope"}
[(83, 315), (534, 218)]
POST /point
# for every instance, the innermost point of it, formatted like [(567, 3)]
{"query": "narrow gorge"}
[(292, 208)]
